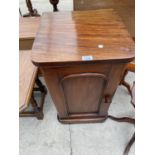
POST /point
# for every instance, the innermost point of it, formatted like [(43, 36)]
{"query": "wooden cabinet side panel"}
[(55, 90), (114, 78)]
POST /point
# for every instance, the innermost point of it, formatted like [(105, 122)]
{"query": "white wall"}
[(45, 6)]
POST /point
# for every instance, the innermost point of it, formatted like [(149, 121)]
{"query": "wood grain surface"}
[(125, 9), (27, 32), (27, 76), (82, 89), (67, 36), (28, 27)]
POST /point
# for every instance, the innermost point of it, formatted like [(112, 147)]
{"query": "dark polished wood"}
[(124, 83), (127, 149), (132, 140), (128, 120), (125, 9), (133, 95), (82, 90), (20, 12), (32, 12), (130, 67), (74, 34), (54, 3), (122, 119)]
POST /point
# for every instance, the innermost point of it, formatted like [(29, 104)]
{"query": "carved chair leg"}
[(32, 12), (20, 12), (124, 83), (122, 119), (54, 3), (127, 149), (133, 95), (128, 120)]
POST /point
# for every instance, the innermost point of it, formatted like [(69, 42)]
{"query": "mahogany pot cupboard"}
[(82, 56)]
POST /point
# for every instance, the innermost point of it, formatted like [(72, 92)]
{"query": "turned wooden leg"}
[(131, 68), (37, 110), (32, 12), (127, 149), (122, 119), (127, 120), (41, 87), (37, 107), (124, 83), (133, 95), (54, 3)]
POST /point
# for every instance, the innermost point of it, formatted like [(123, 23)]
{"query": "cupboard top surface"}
[(96, 35)]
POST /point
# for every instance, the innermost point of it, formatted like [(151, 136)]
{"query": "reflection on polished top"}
[(82, 35)]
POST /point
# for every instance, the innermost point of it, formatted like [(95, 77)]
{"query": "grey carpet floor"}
[(49, 137)]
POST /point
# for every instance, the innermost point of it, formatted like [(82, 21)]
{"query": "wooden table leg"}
[(54, 3), (32, 12), (37, 110)]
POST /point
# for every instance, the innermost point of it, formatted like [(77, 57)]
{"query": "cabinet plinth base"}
[(82, 119)]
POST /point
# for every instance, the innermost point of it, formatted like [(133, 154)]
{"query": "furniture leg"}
[(20, 12), (38, 111), (32, 12), (43, 91), (124, 83), (54, 3), (128, 120), (133, 95), (127, 149), (41, 87), (122, 119), (37, 108)]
